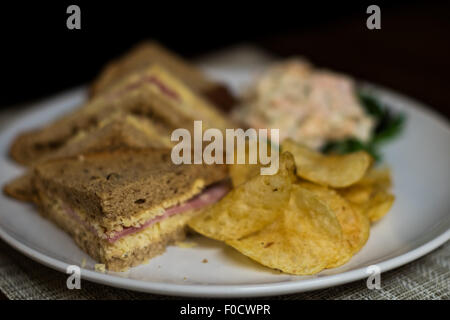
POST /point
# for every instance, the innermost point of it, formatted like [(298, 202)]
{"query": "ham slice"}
[(163, 88), (207, 197)]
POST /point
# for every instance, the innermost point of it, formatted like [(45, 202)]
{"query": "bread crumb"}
[(83, 262), (205, 260), (185, 244), (100, 267)]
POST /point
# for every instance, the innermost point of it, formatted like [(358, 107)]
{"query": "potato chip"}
[(370, 195), (377, 177), (305, 239), (379, 204), (250, 206), (329, 170), (357, 194), (355, 225), (241, 173)]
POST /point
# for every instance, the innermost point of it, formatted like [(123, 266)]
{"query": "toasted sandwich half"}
[(154, 94), (124, 207), (120, 131), (149, 53)]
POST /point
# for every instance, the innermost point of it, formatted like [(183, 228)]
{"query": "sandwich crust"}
[(21, 188)]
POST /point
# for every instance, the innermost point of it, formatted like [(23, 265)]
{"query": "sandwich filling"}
[(158, 83), (209, 196)]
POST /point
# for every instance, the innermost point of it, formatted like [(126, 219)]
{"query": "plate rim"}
[(236, 290)]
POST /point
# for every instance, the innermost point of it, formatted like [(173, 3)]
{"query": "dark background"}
[(411, 52)]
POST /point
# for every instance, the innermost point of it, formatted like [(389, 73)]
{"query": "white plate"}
[(418, 223)]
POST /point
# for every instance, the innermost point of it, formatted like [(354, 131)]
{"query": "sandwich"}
[(149, 53), (124, 207), (152, 93), (103, 173)]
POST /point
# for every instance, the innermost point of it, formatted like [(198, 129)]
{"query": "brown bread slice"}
[(151, 52)]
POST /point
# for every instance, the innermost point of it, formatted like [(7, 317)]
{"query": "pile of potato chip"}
[(314, 214)]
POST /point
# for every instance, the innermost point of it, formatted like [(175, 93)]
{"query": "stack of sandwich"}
[(104, 173)]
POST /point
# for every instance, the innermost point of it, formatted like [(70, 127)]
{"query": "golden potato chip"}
[(305, 239), (355, 225), (370, 195), (241, 173), (379, 204), (329, 170), (377, 177), (277, 248), (356, 193), (250, 206)]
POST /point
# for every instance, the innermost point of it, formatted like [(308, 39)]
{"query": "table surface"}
[(425, 278)]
